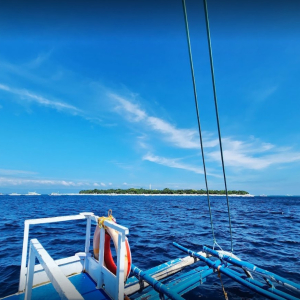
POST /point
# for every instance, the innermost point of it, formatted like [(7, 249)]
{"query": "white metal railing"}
[(27, 223), (60, 282), (113, 284)]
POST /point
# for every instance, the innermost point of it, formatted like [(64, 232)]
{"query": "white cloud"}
[(183, 138), (110, 183), (173, 163), (68, 183), (135, 114), (253, 155), (39, 60), (243, 154), (26, 95), (4, 87), (15, 172), (21, 181), (264, 94), (124, 183), (122, 165)]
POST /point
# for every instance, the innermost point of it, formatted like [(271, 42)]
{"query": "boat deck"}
[(82, 282)]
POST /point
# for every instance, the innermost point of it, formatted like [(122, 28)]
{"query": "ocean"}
[(266, 232)]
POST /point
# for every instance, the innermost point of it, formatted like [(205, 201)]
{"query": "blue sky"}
[(99, 95)]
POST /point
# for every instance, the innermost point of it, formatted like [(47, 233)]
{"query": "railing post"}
[(24, 258), (30, 273), (101, 257), (87, 237), (120, 266)]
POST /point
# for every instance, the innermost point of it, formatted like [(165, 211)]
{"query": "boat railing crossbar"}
[(60, 282), (112, 284)]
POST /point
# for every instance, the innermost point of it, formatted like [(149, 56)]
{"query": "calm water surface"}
[(265, 232)]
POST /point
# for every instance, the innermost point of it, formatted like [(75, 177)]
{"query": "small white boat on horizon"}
[(32, 194), (14, 194)]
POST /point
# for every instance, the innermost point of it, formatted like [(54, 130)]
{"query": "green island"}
[(165, 191)]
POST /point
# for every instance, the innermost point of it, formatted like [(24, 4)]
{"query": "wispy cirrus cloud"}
[(175, 163), (244, 154), (182, 138), (39, 59), (253, 155), (29, 96), (15, 172), (22, 181), (264, 94), (133, 112), (101, 184), (172, 163)]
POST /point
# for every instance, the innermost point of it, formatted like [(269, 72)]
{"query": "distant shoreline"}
[(112, 194), (163, 192), (128, 194), (145, 195)]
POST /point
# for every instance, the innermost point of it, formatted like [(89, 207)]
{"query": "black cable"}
[(217, 114), (197, 111)]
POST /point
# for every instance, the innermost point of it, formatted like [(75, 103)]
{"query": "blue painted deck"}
[(83, 283)]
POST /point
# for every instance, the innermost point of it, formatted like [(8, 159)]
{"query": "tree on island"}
[(166, 191)]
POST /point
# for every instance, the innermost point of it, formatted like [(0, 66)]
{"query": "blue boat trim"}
[(252, 268), (133, 280), (83, 283), (158, 286), (223, 268)]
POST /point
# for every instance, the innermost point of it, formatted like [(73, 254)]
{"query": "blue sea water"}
[(265, 232)]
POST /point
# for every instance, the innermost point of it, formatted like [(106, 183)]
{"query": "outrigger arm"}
[(256, 286)]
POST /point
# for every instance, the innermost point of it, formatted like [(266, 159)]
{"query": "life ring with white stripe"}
[(112, 234)]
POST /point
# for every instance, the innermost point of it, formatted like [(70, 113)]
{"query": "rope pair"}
[(198, 115), (108, 218)]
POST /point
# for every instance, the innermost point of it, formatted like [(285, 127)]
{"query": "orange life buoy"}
[(108, 259)]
